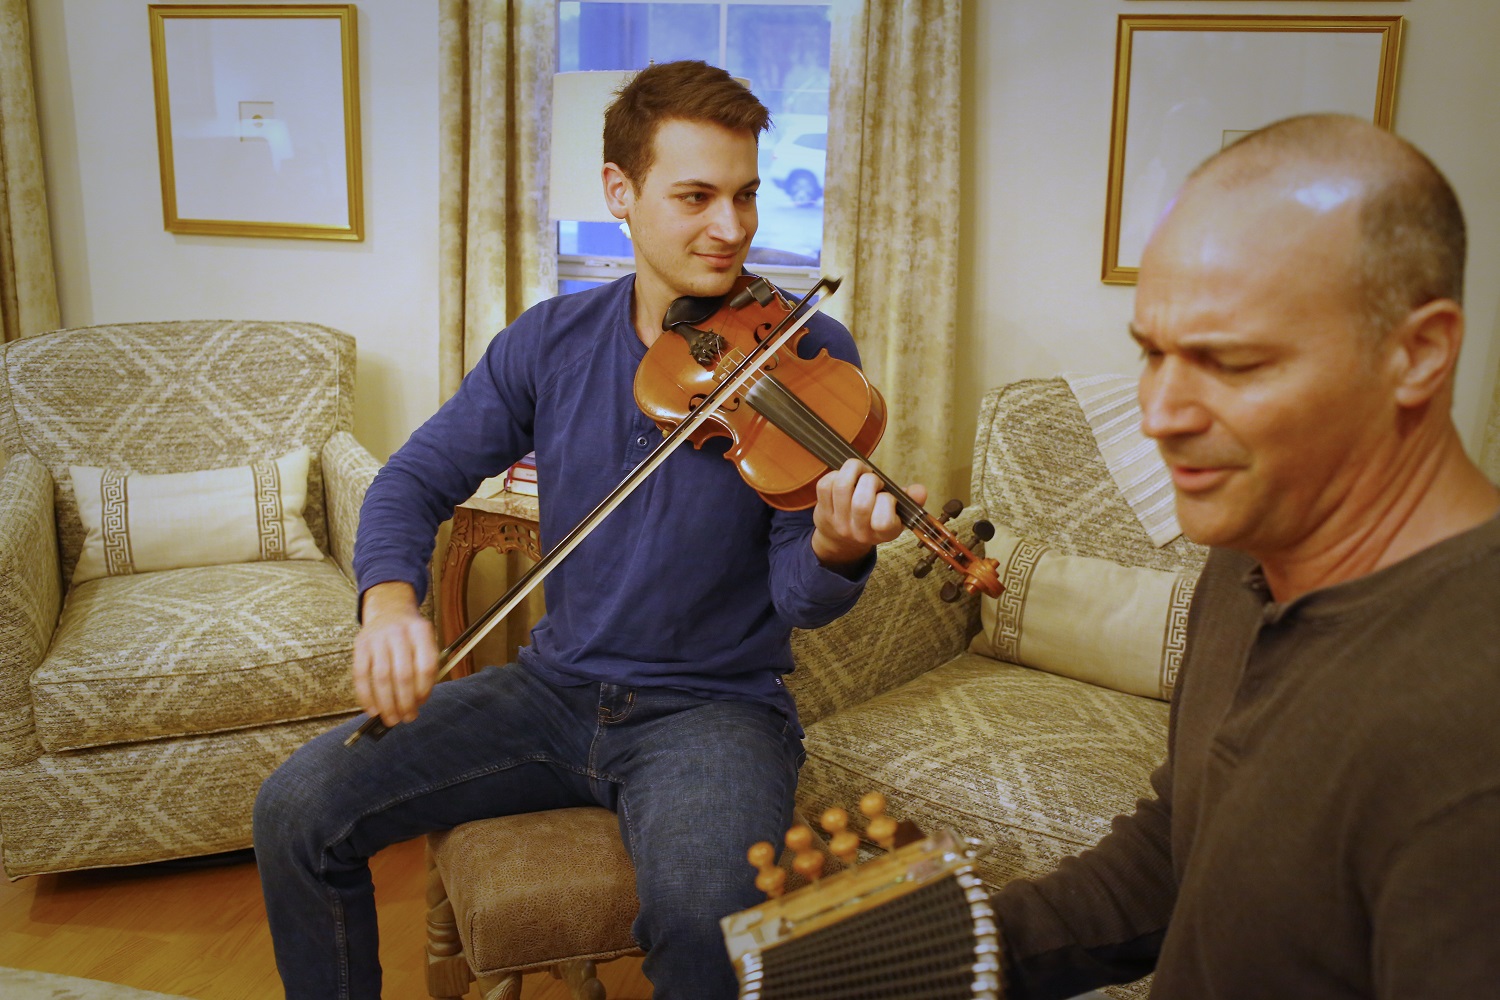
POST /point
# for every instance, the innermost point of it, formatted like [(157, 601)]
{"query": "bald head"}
[(1410, 244)]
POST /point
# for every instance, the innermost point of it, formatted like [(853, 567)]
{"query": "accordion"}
[(912, 923)]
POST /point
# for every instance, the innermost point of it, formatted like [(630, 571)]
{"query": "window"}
[(782, 48)]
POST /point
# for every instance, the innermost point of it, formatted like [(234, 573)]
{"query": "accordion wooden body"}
[(913, 924)]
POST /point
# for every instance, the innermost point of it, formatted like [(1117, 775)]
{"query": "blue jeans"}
[(694, 782)]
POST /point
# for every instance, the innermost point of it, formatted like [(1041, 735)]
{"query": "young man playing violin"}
[(653, 685)]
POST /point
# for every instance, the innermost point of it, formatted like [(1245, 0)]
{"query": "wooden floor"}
[(201, 932)]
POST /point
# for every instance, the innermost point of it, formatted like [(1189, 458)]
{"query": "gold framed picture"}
[(1186, 85), (257, 119)]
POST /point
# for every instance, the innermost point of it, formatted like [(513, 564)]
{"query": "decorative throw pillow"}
[(1094, 620), (137, 523)]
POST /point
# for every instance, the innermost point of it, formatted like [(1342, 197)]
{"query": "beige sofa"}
[(1032, 762), (139, 713)]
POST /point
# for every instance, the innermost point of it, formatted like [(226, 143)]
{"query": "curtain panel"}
[(28, 286), (495, 241), (1490, 457), (892, 217)]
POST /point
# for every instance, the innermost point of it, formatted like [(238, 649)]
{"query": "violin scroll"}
[(979, 575)]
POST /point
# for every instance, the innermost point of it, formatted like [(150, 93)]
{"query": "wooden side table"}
[(506, 522)]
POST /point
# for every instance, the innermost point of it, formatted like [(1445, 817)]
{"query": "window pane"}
[(782, 49), (598, 34), (783, 52), (566, 286)]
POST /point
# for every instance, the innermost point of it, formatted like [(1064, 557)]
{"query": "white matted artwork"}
[(1186, 86), (257, 112)]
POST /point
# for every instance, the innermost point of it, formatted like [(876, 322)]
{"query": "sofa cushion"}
[(137, 523), (1032, 764), (196, 651), (1038, 471), (139, 802), (1094, 620)]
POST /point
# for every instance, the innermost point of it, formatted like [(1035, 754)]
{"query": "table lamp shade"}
[(578, 103)]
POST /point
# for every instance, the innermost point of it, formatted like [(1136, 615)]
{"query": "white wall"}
[(117, 264), (1038, 80), (1038, 84)]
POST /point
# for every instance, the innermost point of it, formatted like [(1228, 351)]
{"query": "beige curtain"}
[(891, 218), (1490, 455), (28, 288), (496, 250)]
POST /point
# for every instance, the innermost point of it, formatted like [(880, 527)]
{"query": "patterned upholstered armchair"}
[(1033, 744), (140, 709)]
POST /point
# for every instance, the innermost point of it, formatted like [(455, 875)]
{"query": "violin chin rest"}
[(690, 309)]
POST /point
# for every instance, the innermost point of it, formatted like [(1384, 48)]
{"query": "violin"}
[(796, 420), (731, 368)]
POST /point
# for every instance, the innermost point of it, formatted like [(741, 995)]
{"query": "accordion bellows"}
[(913, 924)]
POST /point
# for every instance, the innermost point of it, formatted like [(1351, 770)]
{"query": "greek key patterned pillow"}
[(1120, 627), (137, 523)]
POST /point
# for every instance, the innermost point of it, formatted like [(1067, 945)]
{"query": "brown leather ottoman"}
[(516, 894)]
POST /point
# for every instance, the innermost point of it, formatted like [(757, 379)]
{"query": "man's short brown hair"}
[(689, 90), (1412, 235)]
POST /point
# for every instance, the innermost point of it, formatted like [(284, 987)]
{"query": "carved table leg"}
[(459, 557)]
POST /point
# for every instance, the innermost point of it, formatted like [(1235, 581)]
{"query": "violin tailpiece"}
[(705, 346)]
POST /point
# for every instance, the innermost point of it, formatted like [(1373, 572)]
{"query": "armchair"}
[(140, 712)]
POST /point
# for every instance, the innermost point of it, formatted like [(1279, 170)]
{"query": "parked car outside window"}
[(799, 156)]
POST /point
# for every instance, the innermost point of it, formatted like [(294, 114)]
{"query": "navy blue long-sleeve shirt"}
[(693, 582)]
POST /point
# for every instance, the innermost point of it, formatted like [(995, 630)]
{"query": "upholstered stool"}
[(516, 894)]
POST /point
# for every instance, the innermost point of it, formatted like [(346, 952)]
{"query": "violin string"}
[(791, 414), (808, 428), (769, 397)]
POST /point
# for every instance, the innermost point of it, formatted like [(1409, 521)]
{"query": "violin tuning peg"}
[(950, 592), (951, 509), (984, 530), (924, 565)]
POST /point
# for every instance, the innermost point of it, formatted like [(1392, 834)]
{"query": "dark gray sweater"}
[(1327, 823)]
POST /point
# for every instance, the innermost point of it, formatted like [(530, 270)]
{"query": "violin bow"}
[(742, 373)]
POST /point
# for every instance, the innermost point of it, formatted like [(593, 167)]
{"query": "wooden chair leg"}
[(582, 978), (503, 987), (448, 972)]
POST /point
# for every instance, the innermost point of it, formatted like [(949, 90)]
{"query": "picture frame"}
[(1188, 84), (257, 119)]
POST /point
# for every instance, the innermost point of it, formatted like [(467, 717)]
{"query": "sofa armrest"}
[(30, 598), (348, 471), (900, 628)]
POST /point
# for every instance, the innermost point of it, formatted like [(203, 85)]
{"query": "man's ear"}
[(619, 193), (1426, 349)]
